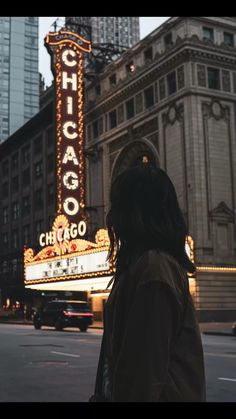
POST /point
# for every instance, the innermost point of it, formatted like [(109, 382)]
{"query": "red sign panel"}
[(67, 48)]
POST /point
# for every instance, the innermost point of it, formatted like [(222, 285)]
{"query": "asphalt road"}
[(49, 366), (220, 364)]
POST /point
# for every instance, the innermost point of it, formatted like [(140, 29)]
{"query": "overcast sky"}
[(147, 25)]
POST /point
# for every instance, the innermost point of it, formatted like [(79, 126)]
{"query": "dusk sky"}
[(147, 25)]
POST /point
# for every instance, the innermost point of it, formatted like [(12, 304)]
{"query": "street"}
[(49, 366)]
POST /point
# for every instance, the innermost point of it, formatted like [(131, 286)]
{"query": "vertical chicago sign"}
[(67, 49), (67, 260)]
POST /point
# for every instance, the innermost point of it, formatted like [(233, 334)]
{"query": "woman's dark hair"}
[(145, 214)]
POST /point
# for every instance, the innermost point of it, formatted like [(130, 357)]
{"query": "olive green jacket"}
[(151, 336)]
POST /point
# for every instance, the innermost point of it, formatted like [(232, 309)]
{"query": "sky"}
[(147, 25)]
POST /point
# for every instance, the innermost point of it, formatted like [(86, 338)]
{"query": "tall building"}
[(121, 30), (171, 99), (19, 78)]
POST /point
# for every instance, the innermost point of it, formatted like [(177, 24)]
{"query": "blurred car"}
[(63, 313), (234, 329)]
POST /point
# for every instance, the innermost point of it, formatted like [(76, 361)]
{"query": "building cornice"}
[(188, 49), (142, 118)]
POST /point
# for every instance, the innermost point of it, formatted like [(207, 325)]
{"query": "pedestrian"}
[(151, 347)]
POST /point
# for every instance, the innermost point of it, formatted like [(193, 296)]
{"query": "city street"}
[(49, 366)]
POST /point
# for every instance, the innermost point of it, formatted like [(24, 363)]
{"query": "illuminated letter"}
[(41, 239), (66, 80), (69, 105), (73, 125), (70, 180), (66, 204), (82, 228), (50, 237), (65, 54), (73, 231), (66, 234), (59, 235), (70, 155)]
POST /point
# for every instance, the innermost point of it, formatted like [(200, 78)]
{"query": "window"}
[(50, 193), (213, 78), (148, 55), (171, 83), (5, 240), (15, 239), (5, 268), (14, 161), (162, 88), (5, 168), (5, 211), (5, 190), (50, 138), (120, 113), (26, 155), (14, 264), (95, 129), (129, 108), (208, 34), (26, 205), (50, 163), (149, 97), (38, 143), (15, 184), (226, 85), (15, 210), (112, 119), (168, 40), (139, 103), (100, 126), (229, 39), (112, 79), (38, 169), (26, 234), (89, 132), (38, 199), (26, 177)]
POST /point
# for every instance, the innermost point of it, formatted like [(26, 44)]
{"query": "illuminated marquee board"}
[(63, 259), (67, 267), (66, 49)]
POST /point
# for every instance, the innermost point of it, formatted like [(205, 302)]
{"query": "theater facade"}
[(169, 99)]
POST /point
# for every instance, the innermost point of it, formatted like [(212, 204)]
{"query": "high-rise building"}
[(121, 30), (19, 78)]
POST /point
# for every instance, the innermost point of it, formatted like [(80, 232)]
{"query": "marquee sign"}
[(64, 255), (66, 49), (64, 259)]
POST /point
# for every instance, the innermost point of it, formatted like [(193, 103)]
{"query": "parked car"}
[(62, 313), (234, 329)]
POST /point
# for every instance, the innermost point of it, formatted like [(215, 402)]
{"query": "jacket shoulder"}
[(160, 267)]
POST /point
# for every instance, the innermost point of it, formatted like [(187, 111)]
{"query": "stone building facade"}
[(171, 98), (27, 195)]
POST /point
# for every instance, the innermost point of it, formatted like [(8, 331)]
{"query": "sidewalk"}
[(212, 328), (223, 329), (95, 325)]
